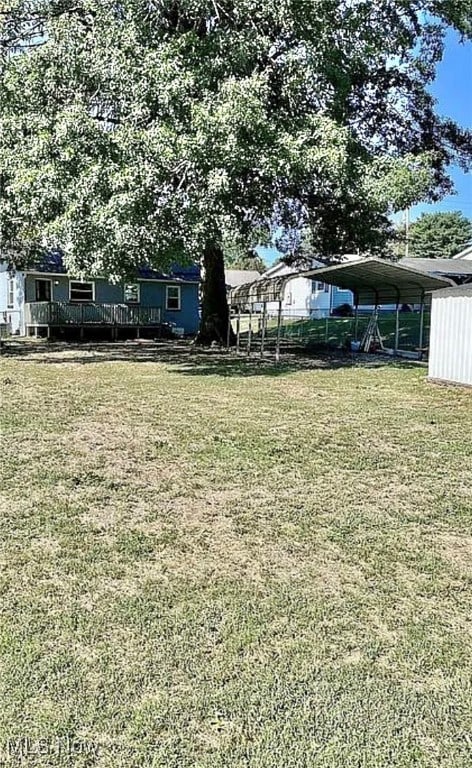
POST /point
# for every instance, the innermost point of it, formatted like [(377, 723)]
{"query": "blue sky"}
[(453, 91)]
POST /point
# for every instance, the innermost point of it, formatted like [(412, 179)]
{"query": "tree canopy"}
[(152, 130), (439, 235), (239, 257)]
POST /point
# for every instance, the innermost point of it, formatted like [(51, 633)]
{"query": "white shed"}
[(450, 345)]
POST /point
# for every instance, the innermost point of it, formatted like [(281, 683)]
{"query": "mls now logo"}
[(67, 745)]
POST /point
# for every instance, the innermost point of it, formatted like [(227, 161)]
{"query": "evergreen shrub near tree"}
[(439, 235), (154, 131)]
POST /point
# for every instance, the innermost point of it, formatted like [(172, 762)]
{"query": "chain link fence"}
[(330, 333)]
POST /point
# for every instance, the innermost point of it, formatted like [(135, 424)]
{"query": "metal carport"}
[(375, 282)]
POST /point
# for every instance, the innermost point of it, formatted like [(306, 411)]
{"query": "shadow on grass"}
[(189, 360)]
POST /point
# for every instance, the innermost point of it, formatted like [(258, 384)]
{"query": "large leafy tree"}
[(156, 130), (439, 235)]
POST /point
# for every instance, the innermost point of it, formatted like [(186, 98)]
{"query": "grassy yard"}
[(214, 563)]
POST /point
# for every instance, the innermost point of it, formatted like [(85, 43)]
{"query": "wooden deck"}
[(69, 315)]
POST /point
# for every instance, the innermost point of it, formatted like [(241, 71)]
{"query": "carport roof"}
[(262, 290), (375, 281)]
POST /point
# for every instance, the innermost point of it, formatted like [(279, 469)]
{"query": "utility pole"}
[(407, 232)]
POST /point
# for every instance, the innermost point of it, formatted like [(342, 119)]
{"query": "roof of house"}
[(443, 267), (235, 277), (466, 253), (52, 262), (281, 268)]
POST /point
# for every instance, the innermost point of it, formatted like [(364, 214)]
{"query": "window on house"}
[(131, 293), (11, 293), (42, 290), (173, 297), (79, 291)]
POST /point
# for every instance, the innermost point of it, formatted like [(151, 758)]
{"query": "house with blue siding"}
[(45, 300)]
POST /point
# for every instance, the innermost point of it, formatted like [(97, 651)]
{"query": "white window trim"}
[(179, 289), (11, 293), (43, 280), (83, 282), (138, 300)]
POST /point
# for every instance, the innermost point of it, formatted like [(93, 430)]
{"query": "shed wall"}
[(450, 353)]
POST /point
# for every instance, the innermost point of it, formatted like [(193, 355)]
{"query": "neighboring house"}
[(465, 254), (457, 270), (237, 277), (45, 300), (306, 297)]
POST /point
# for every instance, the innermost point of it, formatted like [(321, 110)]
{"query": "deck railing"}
[(64, 313)]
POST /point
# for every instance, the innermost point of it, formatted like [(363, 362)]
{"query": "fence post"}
[(228, 334), (249, 335), (277, 344), (238, 329), (264, 321), (420, 351)]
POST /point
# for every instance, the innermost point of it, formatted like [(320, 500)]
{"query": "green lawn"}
[(215, 563)]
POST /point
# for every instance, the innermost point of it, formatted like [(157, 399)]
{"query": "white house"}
[(466, 253), (306, 297), (12, 299)]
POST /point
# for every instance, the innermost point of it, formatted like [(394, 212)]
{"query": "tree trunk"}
[(215, 311)]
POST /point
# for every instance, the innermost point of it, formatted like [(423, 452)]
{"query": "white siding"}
[(14, 315), (450, 351), (465, 254), (300, 300)]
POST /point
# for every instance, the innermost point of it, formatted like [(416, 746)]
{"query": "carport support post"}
[(356, 319), (420, 350), (397, 328), (264, 321), (277, 343)]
